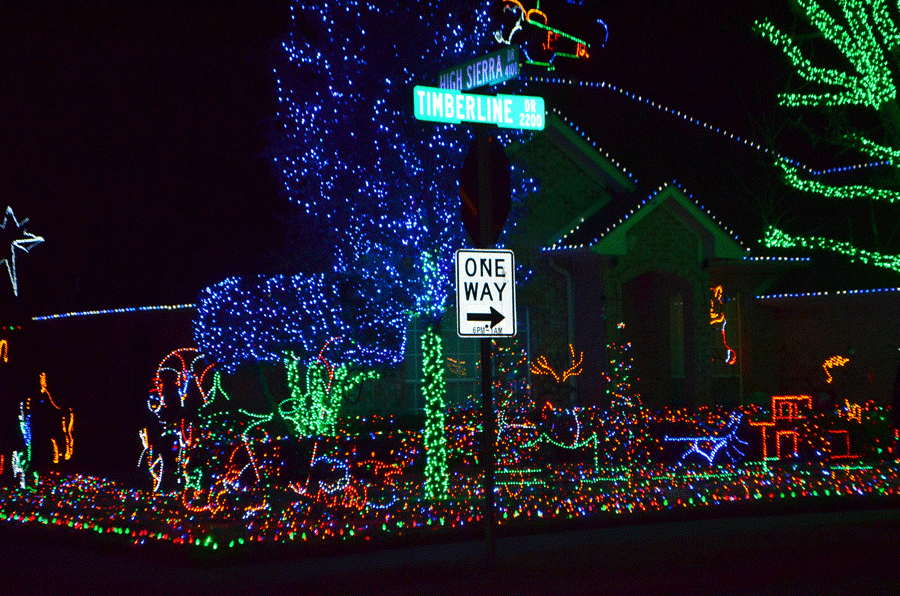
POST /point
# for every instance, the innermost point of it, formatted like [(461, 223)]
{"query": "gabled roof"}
[(603, 229), (587, 156)]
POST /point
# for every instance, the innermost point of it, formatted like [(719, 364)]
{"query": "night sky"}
[(133, 136)]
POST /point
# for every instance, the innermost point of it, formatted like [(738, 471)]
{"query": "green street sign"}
[(451, 106), (490, 69)]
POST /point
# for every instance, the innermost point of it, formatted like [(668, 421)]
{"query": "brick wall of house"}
[(661, 243), (862, 327)]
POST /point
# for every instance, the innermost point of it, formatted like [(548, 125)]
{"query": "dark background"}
[(132, 136)]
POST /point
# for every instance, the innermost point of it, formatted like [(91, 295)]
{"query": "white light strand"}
[(715, 129), (112, 311), (561, 246)]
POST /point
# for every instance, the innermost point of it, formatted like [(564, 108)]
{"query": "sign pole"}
[(486, 228)]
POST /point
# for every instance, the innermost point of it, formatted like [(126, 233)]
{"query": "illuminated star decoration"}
[(17, 238)]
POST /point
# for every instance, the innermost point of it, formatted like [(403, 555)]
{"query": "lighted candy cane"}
[(831, 363)]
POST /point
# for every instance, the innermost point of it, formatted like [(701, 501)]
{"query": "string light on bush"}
[(90, 313), (313, 408)]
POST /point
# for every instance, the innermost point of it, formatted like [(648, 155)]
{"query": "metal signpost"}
[(485, 293), (485, 279)]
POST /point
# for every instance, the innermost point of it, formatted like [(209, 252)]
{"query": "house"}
[(709, 319)]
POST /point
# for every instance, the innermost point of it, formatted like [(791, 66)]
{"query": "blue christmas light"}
[(377, 190)]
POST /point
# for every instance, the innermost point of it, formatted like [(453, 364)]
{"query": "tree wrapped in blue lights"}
[(376, 190)]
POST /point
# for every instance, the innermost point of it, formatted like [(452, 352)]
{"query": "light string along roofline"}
[(714, 129), (791, 168), (89, 313), (817, 294)]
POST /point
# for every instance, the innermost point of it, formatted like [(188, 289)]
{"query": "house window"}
[(787, 411), (676, 335)]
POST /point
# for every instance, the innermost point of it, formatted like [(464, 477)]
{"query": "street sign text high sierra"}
[(491, 69), (506, 111)]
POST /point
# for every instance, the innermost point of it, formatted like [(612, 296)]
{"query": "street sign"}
[(490, 69), (498, 188), (506, 111), (485, 293)]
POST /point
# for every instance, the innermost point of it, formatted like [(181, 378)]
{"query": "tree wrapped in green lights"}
[(866, 35), (313, 407)]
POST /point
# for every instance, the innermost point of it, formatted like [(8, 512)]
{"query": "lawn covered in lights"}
[(221, 476)]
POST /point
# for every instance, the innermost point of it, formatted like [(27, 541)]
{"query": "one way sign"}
[(485, 293)]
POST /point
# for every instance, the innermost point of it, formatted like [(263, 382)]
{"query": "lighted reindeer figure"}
[(542, 367)]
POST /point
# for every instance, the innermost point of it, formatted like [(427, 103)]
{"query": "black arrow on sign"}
[(493, 317)]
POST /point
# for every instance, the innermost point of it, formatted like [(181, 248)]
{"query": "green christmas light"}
[(776, 238), (854, 191), (876, 150), (866, 36), (437, 482), (869, 82), (313, 409)]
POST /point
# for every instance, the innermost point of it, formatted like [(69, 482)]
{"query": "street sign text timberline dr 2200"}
[(451, 106)]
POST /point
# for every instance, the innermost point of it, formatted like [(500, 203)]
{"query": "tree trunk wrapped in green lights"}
[(866, 35), (437, 482), (313, 409)]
